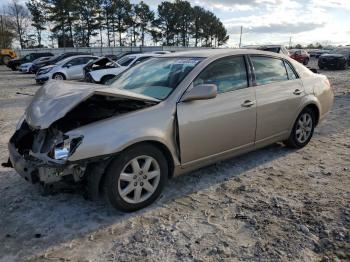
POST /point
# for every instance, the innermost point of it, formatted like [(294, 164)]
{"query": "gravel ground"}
[(275, 204)]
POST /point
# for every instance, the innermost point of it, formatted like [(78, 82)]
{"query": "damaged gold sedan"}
[(164, 117)]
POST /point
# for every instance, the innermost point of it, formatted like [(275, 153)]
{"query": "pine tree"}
[(37, 11)]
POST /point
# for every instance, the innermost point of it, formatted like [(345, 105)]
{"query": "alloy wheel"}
[(304, 128), (139, 179), (58, 77)]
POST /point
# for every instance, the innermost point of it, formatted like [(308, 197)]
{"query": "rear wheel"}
[(58, 76), (303, 129), (346, 65), (136, 178)]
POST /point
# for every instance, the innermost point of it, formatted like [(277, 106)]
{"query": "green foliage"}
[(78, 22)]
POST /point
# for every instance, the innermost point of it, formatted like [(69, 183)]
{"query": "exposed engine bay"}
[(96, 108)]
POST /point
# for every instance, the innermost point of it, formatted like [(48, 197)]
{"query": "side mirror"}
[(68, 65), (200, 92)]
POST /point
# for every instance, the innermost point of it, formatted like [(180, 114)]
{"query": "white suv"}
[(102, 76)]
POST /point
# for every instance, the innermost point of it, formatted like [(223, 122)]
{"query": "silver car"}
[(70, 68), (165, 117)]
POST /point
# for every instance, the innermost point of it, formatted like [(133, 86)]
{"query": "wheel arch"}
[(161, 146), (59, 73), (314, 107), (106, 76)]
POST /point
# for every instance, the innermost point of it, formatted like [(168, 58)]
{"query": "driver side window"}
[(73, 62), (228, 74)]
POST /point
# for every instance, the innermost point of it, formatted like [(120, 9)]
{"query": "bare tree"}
[(6, 32), (20, 15)]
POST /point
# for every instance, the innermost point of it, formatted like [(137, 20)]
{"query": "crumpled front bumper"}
[(30, 167)]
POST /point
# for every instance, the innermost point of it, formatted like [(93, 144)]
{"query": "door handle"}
[(248, 103), (297, 92)]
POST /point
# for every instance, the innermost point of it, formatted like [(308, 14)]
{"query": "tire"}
[(306, 61), (5, 59), (296, 138), (58, 76), (345, 66), (321, 67), (105, 79), (136, 178)]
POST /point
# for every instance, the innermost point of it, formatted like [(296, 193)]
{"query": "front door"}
[(213, 126)]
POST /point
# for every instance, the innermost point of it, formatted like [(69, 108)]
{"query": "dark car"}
[(300, 55), (339, 58), (15, 63), (36, 66)]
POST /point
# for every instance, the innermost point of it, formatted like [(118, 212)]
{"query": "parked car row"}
[(338, 58), (78, 66), (164, 115)]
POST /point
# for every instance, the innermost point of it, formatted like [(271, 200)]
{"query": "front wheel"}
[(303, 129), (106, 79), (5, 59), (58, 76), (136, 178)]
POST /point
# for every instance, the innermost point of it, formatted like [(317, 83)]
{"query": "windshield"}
[(157, 77), (126, 60)]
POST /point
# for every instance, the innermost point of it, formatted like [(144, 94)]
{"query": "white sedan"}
[(70, 68), (102, 76)]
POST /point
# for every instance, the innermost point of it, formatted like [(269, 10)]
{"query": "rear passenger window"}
[(268, 70), (290, 71), (228, 74)]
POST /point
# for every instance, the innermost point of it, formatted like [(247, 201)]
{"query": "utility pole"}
[(290, 42), (240, 37)]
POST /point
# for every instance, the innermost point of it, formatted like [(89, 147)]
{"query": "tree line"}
[(85, 23)]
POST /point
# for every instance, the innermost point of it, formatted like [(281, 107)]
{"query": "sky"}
[(278, 21)]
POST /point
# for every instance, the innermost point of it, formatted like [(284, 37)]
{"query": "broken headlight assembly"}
[(66, 148)]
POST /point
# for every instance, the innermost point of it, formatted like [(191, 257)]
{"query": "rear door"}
[(227, 122), (279, 92)]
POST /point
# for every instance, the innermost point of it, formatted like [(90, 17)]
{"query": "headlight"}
[(45, 71), (66, 148)]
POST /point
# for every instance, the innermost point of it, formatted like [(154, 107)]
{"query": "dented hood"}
[(56, 98)]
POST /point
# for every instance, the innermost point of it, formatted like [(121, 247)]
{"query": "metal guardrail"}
[(100, 51)]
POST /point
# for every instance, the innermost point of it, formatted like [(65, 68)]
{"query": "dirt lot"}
[(275, 204)]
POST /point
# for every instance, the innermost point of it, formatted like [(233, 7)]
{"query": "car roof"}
[(76, 56), (140, 55), (212, 53)]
